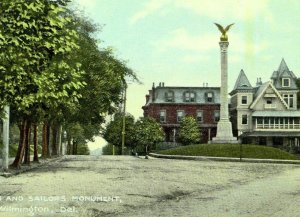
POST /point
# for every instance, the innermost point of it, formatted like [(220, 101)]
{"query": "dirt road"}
[(128, 186)]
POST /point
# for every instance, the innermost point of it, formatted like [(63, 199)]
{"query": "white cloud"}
[(195, 48), (245, 9), (87, 3), (237, 10), (150, 8), (195, 58), (181, 39)]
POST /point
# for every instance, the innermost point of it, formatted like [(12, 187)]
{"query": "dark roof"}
[(242, 81), (284, 72)]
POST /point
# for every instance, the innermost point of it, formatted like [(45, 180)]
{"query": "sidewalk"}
[(228, 159), (24, 168)]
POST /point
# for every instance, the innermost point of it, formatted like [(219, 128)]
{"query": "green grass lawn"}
[(229, 150)]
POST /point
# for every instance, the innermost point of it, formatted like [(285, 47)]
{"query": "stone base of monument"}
[(224, 134)]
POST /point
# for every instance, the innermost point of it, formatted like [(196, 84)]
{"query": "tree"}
[(189, 132), (105, 76), (113, 131), (36, 72), (148, 132)]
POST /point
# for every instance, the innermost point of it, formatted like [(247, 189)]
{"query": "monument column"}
[(224, 80), (224, 127)]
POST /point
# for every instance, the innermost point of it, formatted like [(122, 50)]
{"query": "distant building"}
[(267, 113), (168, 105)]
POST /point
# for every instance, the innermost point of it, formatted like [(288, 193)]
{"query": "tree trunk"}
[(54, 139), (27, 143), (35, 143), (45, 146), (74, 147), (48, 140), (69, 149), (21, 147), (59, 140)]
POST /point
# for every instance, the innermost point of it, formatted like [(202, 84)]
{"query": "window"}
[(162, 116), (189, 97), (259, 120), (291, 102), (192, 97), (217, 116), (180, 115), (269, 101), (209, 97), (200, 116), (244, 100), (169, 96), (186, 96), (289, 99), (285, 82), (244, 119)]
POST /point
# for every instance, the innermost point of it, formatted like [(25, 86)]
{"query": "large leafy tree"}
[(113, 131), (35, 66), (148, 132), (105, 78), (189, 132)]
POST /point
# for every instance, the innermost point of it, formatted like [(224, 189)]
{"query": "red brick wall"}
[(190, 110), (153, 111)]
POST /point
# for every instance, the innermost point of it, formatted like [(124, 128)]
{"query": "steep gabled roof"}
[(262, 89), (242, 81), (283, 67), (284, 72)]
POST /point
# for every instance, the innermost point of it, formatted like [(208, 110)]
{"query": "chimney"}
[(147, 98), (163, 84), (153, 92), (257, 82), (206, 84)]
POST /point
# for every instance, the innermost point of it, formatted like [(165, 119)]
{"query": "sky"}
[(176, 41)]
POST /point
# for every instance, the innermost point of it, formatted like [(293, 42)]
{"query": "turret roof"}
[(242, 81)]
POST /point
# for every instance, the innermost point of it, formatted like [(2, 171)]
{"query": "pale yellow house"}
[(267, 113)]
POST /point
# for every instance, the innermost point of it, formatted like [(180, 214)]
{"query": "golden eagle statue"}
[(224, 36)]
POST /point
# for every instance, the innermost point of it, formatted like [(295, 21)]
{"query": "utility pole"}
[(5, 150), (124, 113)]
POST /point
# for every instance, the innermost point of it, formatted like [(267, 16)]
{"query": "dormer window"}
[(286, 82), (244, 100), (189, 97), (209, 97), (169, 96)]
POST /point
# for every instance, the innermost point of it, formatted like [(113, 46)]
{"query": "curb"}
[(33, 165), (226, 159)]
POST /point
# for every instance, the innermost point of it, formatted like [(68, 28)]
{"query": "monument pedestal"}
[(224, 133)]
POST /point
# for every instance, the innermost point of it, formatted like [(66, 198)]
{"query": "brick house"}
[(267, 113), (168, 105)]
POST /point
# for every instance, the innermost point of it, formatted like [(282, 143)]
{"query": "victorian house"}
[(267, 113), (168, 105)]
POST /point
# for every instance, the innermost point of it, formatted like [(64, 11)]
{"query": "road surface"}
[(128, 186)]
